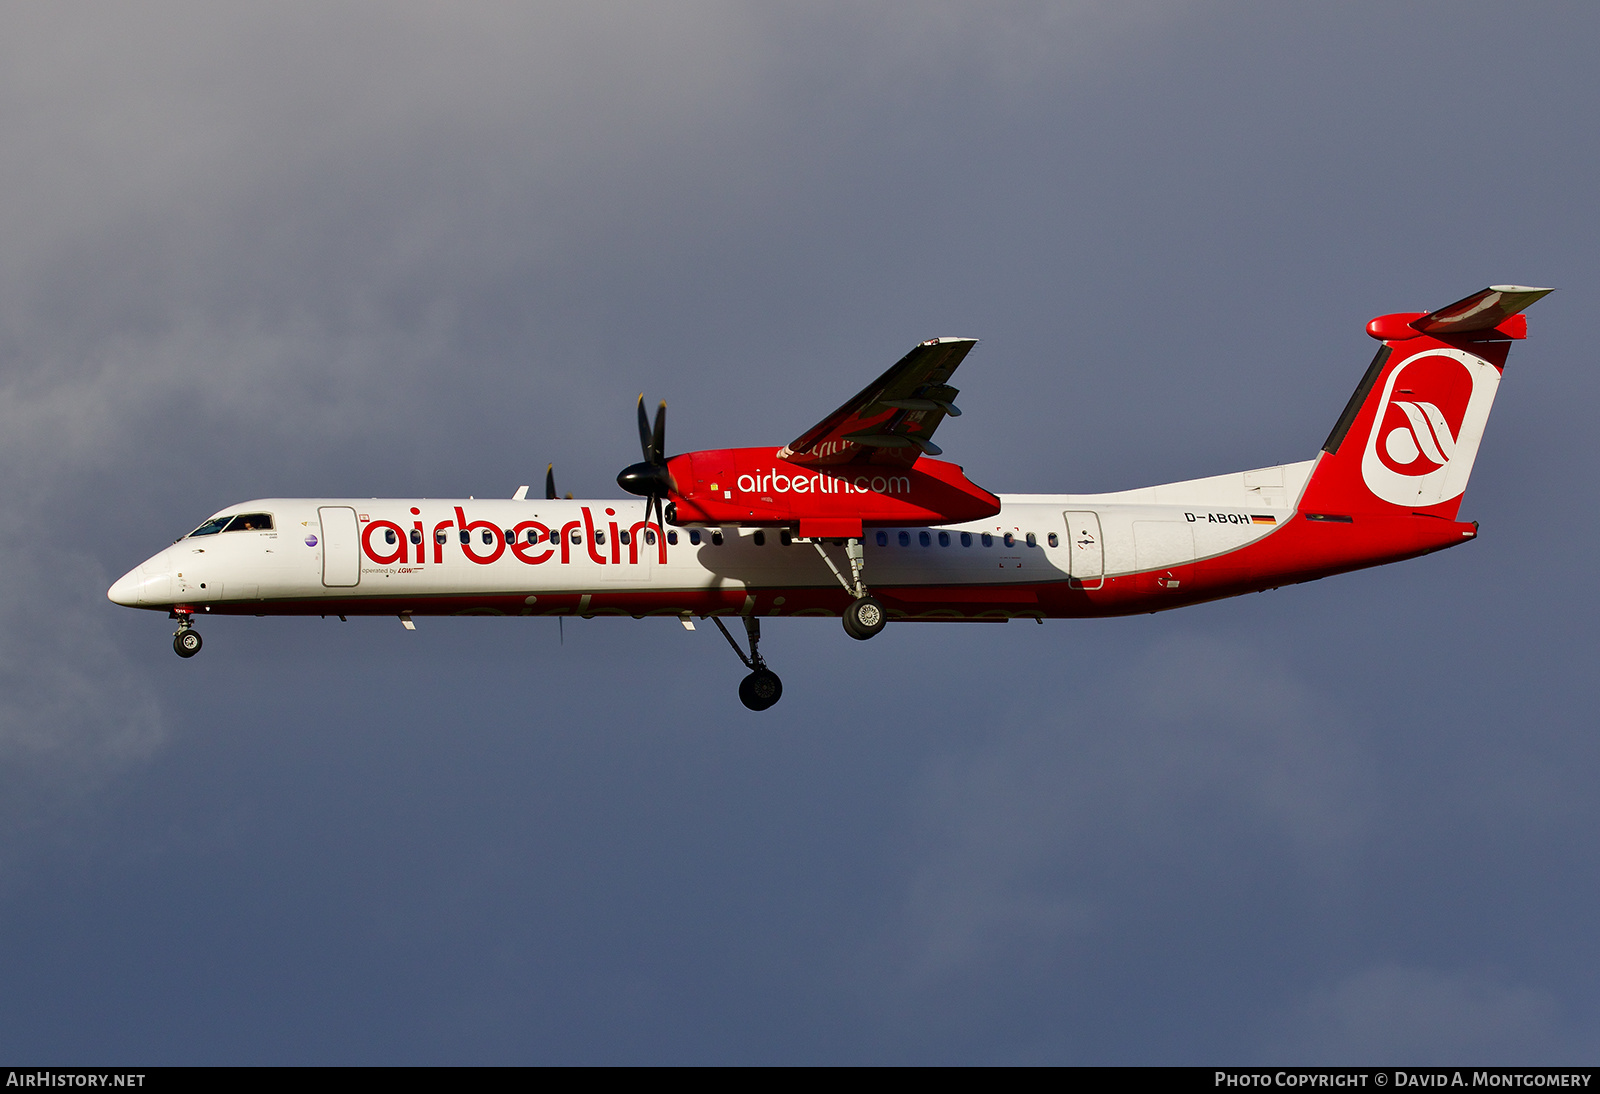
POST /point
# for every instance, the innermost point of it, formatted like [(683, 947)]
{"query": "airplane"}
[(858, 518)]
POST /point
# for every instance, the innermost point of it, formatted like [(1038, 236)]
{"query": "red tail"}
[(1407, 440)]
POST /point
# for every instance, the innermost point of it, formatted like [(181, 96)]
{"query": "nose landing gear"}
[(185, 640), (762, 688)]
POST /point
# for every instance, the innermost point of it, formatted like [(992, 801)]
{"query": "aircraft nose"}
[(125, 590), (149, 583)]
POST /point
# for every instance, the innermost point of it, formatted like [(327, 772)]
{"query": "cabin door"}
[(1086, 562), (341, 547)]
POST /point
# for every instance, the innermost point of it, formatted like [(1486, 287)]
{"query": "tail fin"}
[(1410, 433)]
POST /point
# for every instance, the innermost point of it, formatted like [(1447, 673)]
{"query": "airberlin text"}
[(777, 482), (533, 542), (1343, 1077)]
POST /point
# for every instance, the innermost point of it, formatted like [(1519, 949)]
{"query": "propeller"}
[(650, 479), (550, 484)]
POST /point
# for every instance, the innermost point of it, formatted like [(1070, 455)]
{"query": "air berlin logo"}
[(1424, 434), (1429, 420)]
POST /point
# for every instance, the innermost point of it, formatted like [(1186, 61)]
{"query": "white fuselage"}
[(398, 556)]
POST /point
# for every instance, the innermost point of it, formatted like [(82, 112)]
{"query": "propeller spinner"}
[(650, 479)]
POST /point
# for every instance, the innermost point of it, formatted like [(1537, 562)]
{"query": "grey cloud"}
[(1417, 1016), (1173, 762), (421, 250)]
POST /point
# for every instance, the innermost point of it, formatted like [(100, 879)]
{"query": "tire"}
[(760, 689), (864, 618), (186, 643)]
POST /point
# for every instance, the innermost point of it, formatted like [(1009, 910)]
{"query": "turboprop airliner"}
[(858, 518)]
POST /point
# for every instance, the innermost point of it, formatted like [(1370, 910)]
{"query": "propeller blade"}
[(550, 482), (644, 431), (658, 439), (649, 478)]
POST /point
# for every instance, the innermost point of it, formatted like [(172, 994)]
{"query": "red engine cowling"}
[(753, 486)]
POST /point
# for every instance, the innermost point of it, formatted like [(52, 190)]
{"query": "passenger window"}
[(533, 535), (1053, 540), (577, 537), (388, 535), (599, 537), (905, 539), (783, 537), (1033, 540), (625, 536), (944, 539), (672, 538), (924, 539), (694, 536), (1011, 540), (760, 538), (416, 535), (650, 536), (466, 536), (883, 539), (988, 540), (250, 522), (966, 539), (716, 539), (440, 538)]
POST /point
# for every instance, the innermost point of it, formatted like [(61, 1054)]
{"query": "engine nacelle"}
[(755, 487)]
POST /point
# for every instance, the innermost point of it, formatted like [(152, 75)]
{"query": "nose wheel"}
[(186, 640), (762, 688)]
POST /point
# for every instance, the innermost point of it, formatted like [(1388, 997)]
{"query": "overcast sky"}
[(377, 249)]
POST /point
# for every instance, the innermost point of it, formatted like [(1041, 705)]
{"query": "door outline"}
[(1086, 561), (341, 547)]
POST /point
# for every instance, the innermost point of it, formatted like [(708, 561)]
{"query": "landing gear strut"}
[(865, 616), (761, 688), (185, 640)]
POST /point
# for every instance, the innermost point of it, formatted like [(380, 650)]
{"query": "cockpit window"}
[(211, 527), (235, 522), (250, 522)]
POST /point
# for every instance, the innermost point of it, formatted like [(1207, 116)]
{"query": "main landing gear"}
[(185, 640), (864, 617), (761, 688)]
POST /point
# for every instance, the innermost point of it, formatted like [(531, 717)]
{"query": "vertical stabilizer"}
[(1408, 438)]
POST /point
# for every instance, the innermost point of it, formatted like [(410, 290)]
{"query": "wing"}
[(892, 420)]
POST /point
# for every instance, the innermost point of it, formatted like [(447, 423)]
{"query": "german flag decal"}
[(1262, 520)]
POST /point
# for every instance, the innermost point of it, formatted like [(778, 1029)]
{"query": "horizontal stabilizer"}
[(1481, 311)]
